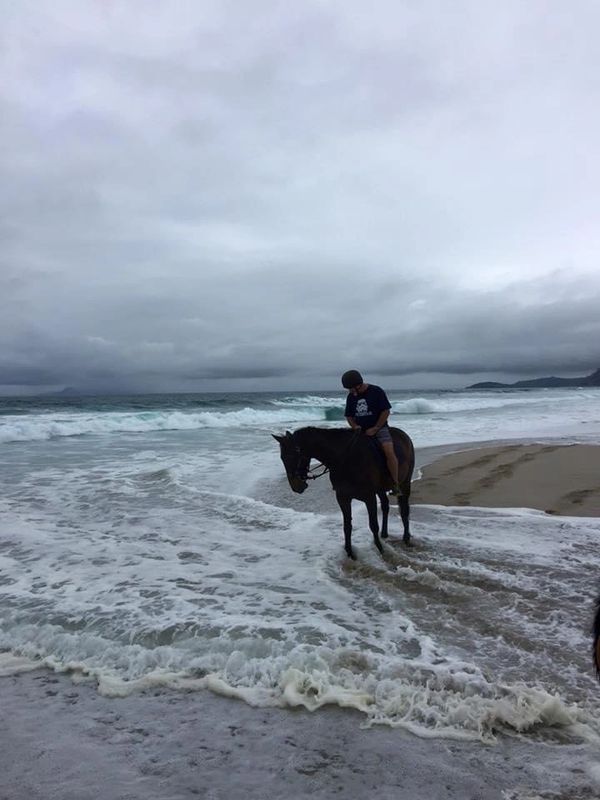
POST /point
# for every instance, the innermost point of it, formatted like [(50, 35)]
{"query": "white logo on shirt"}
[(362, 409)]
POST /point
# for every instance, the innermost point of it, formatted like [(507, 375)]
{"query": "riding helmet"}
[(351, 379)]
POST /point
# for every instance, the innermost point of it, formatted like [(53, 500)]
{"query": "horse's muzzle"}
[(297, 484)]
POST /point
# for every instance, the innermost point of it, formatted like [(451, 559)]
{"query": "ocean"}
[(153, 541)]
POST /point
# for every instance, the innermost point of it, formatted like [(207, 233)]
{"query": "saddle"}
[(380, 455)]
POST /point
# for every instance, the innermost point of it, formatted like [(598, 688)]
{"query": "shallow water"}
[(180, 557)]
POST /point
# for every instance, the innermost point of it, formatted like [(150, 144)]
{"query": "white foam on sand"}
[(476, 630), (11, 664), (178, 744)]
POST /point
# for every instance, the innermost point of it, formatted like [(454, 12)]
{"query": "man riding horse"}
[(368, 409)]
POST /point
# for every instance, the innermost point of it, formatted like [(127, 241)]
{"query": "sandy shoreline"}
[(558, 479), (62, 741)]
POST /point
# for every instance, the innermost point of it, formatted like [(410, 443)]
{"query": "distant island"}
[(542, 383), (68, 391)]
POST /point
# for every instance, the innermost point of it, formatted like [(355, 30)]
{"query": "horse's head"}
[(296, 462)]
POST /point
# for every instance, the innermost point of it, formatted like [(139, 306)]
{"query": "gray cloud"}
[(272, 193)]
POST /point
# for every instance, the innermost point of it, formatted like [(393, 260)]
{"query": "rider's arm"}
[(382, 418), (352, 422)]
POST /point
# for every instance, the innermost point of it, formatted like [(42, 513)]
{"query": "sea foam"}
[(257, 601)]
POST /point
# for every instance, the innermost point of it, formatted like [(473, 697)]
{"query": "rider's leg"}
[(392, 463)]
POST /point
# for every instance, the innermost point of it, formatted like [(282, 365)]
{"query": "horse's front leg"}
[(345, 503), (385, 511), (405, 514), (371, 505)]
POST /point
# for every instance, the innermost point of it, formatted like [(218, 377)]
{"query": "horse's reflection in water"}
[(357, 471)]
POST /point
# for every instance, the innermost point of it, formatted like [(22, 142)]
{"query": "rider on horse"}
[(367, 410)]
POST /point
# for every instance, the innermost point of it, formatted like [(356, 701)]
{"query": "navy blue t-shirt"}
[(366, 407)]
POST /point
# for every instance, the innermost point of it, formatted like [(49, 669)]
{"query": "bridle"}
[(302, 469), (320, 475)]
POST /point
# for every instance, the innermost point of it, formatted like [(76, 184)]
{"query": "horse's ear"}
[(278, 438), (288, 435)]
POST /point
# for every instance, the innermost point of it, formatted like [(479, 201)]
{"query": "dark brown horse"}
[(357, 471), (596, 632)]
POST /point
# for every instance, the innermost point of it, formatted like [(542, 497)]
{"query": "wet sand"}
[(558, 479), (62, 741)]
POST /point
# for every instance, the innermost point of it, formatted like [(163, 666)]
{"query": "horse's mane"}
[(341, 432), (331, 434)]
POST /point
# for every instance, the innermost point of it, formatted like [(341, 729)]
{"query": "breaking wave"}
[(49, 426)]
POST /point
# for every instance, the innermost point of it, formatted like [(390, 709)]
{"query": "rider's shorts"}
[(383, 435)]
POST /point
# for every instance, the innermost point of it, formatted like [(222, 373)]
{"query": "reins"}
[(320, 475)]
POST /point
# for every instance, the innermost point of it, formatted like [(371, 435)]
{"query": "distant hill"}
[(542, 383), (68, 391)]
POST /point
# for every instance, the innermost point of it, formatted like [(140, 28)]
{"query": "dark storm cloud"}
[(269, 192)]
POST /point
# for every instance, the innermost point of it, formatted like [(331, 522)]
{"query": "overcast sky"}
[(210, 195)]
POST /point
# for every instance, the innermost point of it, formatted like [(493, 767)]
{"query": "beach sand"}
[(64, 741), (558, 479)]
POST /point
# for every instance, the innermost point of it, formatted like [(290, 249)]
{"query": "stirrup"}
[(395, 490)]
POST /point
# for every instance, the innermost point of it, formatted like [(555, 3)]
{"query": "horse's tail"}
[(411, 467), (409, 453), (596, 632)]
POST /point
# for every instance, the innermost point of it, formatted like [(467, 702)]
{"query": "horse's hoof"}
[(351, 555), (384, 535), (407, 542)]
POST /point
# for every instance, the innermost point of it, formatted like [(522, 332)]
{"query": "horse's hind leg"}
[(407, 459), (385, 511), (373, 521), (345, 503), (405, 514)]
